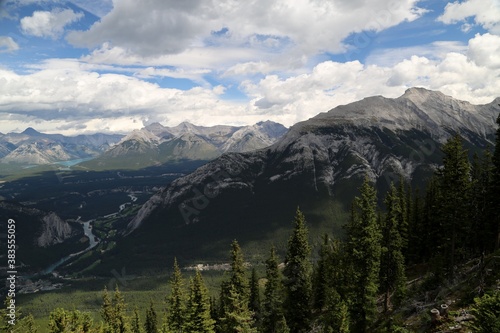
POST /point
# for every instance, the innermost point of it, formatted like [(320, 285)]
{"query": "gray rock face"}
[(161, 144), (54, 231), (32, 147), (379, 137)]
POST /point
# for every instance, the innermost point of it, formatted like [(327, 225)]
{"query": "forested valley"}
[(411, 260)]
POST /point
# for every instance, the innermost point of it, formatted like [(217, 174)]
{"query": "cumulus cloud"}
[(69, 94), (485, 12), (7, 44), (160, 27), (49, 24)]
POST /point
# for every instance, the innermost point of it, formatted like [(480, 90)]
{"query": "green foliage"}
[(113, 312), (392, 266), (151, 323), (235, 314), (486, 311), (135, 325), (363, 252), (298, 277), (176, 308), (455, 184), (494, 193), (254, 300), (62, 321), (198, 308), (272, 307)]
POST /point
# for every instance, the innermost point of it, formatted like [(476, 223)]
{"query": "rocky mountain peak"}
[(31, 131)]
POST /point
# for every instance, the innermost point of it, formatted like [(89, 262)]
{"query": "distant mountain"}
[(317, 165), (156, 144), (33, 147)]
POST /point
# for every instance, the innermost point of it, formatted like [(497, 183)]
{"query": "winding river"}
[(93, 240)]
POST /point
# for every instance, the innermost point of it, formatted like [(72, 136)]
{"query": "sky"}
[(87, 66)]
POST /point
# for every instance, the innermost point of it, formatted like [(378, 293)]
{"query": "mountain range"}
[(33, 147), (317, 165), (151, 145), (156, 144)]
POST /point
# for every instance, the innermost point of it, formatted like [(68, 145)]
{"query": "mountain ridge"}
[(328, 155)]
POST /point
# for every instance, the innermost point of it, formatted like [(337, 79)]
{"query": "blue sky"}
[(113, 66)]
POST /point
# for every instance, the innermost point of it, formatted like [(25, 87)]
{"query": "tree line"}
[(353, 284)]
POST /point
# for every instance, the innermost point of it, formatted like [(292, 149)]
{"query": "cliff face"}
[(54, 231)]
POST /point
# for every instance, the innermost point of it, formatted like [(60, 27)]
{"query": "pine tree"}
[(298, 277), (176, 307), (113, 312), (198, 307), (392, 268), (235, 312), (322, 275), (135, 325), (402, 214), (107, 311), (62, 321), (254, 301), (238, 271), (455, 184), (363, 251), (494, 195), (120, 323), (272, 306), (481, 235), (151, 323)]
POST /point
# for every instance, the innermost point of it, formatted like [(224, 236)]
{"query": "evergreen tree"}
[(238, 278), (235, 313), (392, 268), (176, 307), (363, 251), (238, 318), (254, 301), (62, 321), (455, 185), (481, 235), (322, 275), (136, 324), (113, 312), (402, 214), (272, 307), (107, 311), (120, 323), (198, 307), (151, 323), (494, 195), (298, 277)]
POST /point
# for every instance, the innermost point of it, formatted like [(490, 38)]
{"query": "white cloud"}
[(159, 27), (435, 50), (485, 12), (484, 50), (49, 24), (7, 44), (69, 94)]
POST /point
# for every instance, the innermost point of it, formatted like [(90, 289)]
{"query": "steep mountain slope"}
[(318, 165), (156, 144)]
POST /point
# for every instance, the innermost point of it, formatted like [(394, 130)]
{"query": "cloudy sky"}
[(87, 66)]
